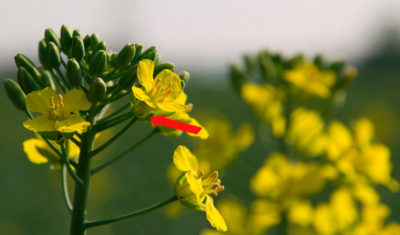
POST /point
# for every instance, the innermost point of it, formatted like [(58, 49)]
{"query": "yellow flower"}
[(306, 131), (59, 112), (339, 140), (184, 116), (194, 191), (39, 152), (301, 213), (311, 79), (266, 102), (156, 94)]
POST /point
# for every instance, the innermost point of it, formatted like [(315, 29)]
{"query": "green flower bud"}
[(46, 79), (100, 46), (51, 36), (185, 76), (74, 73), (26, 81), (251, 63), (95, 40), (157, 59), (128, 78), (23, 61), (139, 48), (97, 90), (98, 63), (149, 53), (161, 67), (65, 38), (53, 57), (77, 48), (15, 93), (268, 68), (42, 53), (319, 61), (126, 55), (237, 78), (76, 33)]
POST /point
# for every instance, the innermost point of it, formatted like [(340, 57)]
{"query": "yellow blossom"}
[(308, 77), (193, 190), (301, 213), (160, 93), (39, 152), (59, 112), (266, 102)]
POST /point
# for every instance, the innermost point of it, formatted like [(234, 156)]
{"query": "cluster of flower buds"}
[(72, 60)]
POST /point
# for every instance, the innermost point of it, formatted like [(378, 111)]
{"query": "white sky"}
[(204, 34)]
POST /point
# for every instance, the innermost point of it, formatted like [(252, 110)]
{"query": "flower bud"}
[(25, 62), (77, 48), (157, 59), (53, 57), (161, 67), (26, 81), (65, 38), (98, 63), (268, 68), (15, 93), (45, 79), (237, 78), (74, 73), (149, 53), (51, 36), (126, 55), (97, 90), (185, 76), (128, 78), (76, 33), (251, 63), (139, 48), (42, 53)]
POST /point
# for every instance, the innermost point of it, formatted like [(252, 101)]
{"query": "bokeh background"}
[(202, 37)]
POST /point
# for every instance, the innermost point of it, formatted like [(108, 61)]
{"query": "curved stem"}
[(107, 124), (58, 81), (115, 112), (112, 139), (64, 184), (99, 168), (63, 78), (91, 224), (67, 163)]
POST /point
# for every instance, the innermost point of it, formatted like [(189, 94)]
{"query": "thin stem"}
[(115, 112), (113, 122), (91, 224), (64, 184), (67, 163), (76, 142), (63, 78), (58, 81), (99, 168), (112, 139)]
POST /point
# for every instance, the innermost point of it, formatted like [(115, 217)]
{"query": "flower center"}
[(56, 111), (159, 93), (212, 184)]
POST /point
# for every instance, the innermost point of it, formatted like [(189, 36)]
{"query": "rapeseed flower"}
[(156, 94), (194, 191), (60, 113), (308, 77)]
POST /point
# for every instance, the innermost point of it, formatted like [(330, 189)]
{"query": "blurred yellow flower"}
[(59, 112), (308, 77), (301, 213), (160, 93), (306, 131), (266, 102), (39, 152), (194, 191)]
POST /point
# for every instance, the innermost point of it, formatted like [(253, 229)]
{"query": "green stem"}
[(115, 112), (63, 78), (82, 190), (64, 184), (67, 163), (58, 81), (113, 122), (99, 168), (112, 139), (91, 224)]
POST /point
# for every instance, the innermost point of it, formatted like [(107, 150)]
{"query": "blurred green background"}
[(31, 200)]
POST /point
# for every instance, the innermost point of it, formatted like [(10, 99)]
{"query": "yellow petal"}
[(40, 124), (195, 185), (72, 124), (31, 150), (145, 74), (39, 101), (75, 100), (184, 160), (172, 106), (141, 95), (214, 217), (203, 133), (182, 98), (170, 79)]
